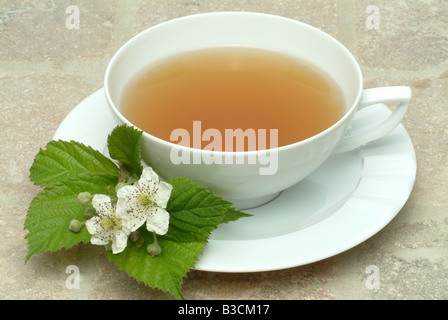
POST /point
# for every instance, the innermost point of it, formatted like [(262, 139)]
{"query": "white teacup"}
[(237, 179)]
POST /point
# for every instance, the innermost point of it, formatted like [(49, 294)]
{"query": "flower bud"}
[(140, 242), (84, 198), (89, 212), (134, 236), (154, 249), (75, 225), (137, 239)]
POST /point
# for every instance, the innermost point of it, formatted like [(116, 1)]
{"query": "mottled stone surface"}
[(46, 69), (411, 35)]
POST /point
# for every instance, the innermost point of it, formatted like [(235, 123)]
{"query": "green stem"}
[(154, 237)]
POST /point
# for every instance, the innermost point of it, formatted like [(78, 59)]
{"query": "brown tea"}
[(233, 88)]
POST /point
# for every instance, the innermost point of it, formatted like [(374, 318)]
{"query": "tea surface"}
[(231, 88)]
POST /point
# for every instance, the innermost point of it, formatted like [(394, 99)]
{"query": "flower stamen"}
[(109, 223), (145, 200)]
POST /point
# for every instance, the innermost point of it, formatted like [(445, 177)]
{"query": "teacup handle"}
[(402, 95)]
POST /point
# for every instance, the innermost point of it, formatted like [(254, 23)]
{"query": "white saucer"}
[(345, 202)]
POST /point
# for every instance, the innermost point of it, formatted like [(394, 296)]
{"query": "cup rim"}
[(297, 144)]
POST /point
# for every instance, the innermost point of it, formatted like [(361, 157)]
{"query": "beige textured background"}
[(47, 69)]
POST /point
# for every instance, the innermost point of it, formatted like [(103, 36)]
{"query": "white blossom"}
[(111, 224), (146, 201)]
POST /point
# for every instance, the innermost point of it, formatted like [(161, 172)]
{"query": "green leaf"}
[(124, 145), (52, 210), (63, 160), (233, 214), (165, 271), (194, 211)]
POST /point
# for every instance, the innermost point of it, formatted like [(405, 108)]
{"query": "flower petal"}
[(163, 194), (127, 192), (103, 205), (101, 238), (125, 224), (93, 225), (158, 221), (148, 187), (136, 222), (119, 242), (149, 174)]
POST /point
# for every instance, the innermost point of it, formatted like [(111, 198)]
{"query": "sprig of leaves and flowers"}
[(153, 230)]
